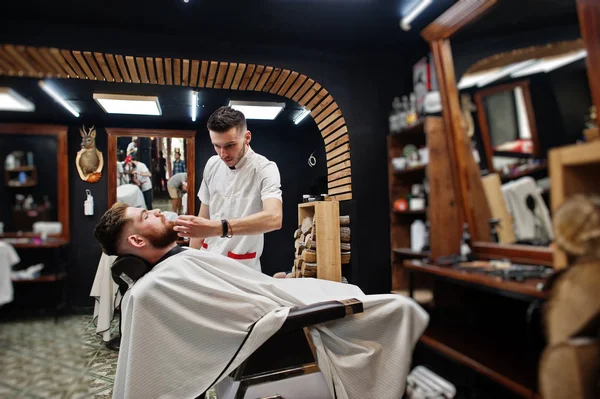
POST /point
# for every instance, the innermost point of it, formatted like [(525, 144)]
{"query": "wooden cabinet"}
[(326, 226)]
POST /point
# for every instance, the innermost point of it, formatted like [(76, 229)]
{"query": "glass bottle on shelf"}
[(411, 116)]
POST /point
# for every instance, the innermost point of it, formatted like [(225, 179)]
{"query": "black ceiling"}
[(509, 17), (332, 25)]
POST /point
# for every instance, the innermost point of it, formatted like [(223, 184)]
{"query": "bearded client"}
[(185, 320)]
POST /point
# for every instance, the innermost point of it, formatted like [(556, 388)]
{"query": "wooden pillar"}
[(469, 189), (589, 24)]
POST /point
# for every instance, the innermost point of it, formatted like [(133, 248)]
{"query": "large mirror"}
[(152, 169), (523, 92), (34, 190)]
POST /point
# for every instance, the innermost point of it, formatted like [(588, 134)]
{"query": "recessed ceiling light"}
[(414, 13), (507, 70), (549, 64), (52, 92), (258, 109), (128, 104), (10, 100), (194, 105)]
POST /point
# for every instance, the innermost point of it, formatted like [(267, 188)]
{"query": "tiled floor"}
[(66, 360)]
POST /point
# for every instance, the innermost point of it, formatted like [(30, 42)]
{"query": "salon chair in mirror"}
[(518, 105), (152, 173)]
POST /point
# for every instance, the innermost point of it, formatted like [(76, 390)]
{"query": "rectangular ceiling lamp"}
[(128, 104), (258, 109), (471, 80), (10, 100), (507, 70), (551, 63)]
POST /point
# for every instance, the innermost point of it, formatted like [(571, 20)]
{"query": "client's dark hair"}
[(109, 231), (225, 118)]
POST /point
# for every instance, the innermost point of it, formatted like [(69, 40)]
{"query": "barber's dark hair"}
[(225, 118), (109, 231)]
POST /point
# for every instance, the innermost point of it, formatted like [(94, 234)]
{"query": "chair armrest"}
[(304, 316)]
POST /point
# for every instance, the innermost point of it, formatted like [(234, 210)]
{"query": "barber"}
[(240, 194)]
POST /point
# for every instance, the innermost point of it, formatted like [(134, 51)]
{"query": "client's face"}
[(153, 226)]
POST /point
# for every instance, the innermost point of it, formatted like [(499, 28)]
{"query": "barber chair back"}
[(285, 367)]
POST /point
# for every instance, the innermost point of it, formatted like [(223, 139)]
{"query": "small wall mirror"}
[(152, 169)]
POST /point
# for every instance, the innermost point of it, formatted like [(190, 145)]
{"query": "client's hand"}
[(197, 227)]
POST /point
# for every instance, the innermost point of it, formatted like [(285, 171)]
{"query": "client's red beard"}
[(164, 237)]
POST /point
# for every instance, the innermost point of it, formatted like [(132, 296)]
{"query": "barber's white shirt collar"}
[(249, 153)]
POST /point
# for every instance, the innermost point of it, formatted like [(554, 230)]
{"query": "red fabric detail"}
[(249, 255), (204, 245)]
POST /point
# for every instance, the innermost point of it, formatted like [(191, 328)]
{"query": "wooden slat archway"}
[(43, 62)]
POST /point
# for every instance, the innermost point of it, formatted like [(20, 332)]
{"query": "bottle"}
[(417, 235), (411, 116), (405, 111), (29, 158), (426, 246), (465, 242)]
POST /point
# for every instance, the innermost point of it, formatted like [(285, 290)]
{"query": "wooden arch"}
[(40, 62)]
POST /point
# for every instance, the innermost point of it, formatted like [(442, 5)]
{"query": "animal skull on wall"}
[(89, 160)]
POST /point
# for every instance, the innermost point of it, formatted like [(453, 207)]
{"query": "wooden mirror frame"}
[(486, 136), (62, 168), (469, 187), (190, 158)]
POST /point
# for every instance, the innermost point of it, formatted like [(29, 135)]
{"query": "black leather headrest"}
[(127, 269)]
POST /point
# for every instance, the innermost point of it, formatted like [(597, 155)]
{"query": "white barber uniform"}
[(236, 193), (8, 258)]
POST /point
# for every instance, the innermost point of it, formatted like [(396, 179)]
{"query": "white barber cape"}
[(184, 322)]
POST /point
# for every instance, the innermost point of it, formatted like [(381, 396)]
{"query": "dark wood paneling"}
[(462, 13), (589, 23)]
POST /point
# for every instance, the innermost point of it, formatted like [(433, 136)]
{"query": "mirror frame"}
[(486, 136), (469, 188), (190, 158), (62, 169)]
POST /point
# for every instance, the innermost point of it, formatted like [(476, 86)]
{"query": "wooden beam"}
[(212, 72), (335, 115), (221, 72), (150, 68), (247, 76), (299, 81), (343, 197), (168, 72), (271, 81), (330, 129), (280, 80), (45, 52), (291, 80), (339, 174), (316, 100), (104, 67), (177, 72), (335, 135), (238, 76), (339, 182), (203, 73), (194, 73), (131, 68), (73, 64), (230, 74), (256, 76), (6, 64), (92, 63), (185, 72), (589, 24), (341, 190), (325, 113), (338, 151), (20, 59), (344, 157), (335, 168), (123, 68), (310, 94), (462, 13), (37, 58), (342, 140), (141, 66), (81, 61), (58, 57), (160, 73), (263, 78), (307, 85)]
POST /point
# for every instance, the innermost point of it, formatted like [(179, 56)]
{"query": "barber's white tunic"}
[(236, 193)]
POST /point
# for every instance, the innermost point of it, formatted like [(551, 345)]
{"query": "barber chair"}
[(285, 366)]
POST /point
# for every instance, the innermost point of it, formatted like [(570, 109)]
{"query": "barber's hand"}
[(197, 227)]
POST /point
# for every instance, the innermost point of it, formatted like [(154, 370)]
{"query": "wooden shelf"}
[(25, 242), (538, 168), (28, 184), (411, 213), (21, 169), (49, 278), (417, 129), (408, 253), (411, 170), (504, 362)]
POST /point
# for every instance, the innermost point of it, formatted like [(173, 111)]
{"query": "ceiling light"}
[(194, 105), (301, 116), (471, 80), (551, 63), (52, 92), (10, 100), (258, 109), (128, 104), (414, 13), (504, 72)]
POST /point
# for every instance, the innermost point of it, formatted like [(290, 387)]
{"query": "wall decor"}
[(89, 160)]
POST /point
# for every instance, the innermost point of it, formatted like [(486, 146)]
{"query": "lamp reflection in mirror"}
[(10, 100)]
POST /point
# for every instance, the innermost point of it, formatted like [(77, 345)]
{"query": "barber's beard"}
[(164, 237), (241, 153)]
